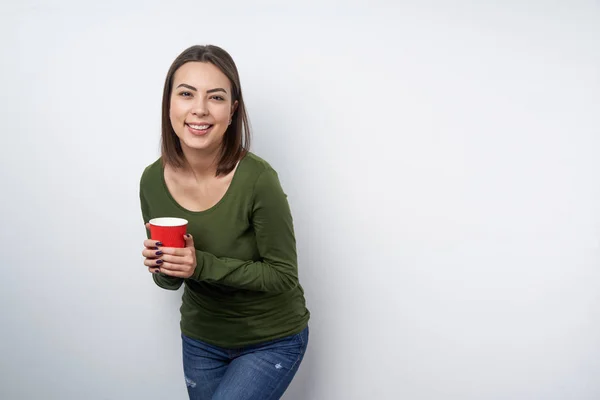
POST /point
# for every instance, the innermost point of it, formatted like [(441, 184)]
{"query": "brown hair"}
[(236, 140)]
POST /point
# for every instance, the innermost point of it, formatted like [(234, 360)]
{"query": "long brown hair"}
[(236, 140)]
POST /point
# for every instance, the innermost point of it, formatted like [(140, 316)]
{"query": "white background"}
[(441, 160)]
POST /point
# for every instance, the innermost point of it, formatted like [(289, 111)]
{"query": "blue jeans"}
[(261, 372)]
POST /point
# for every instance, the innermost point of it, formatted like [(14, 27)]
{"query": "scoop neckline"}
[(208, 210)]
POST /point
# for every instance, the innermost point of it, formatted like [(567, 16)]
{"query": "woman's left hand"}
[(178, 262)]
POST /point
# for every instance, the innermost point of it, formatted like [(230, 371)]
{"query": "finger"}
[(179, 260), (148, 225), (171, 267), (154, 263), (153, 270), (189, 241), (170, 272), (176, 251), (152, 243), (151, 253)]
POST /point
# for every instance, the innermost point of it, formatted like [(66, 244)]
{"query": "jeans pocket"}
[(301, 338)]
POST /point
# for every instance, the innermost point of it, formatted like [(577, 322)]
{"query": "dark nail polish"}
[(159, 261), (159, 243), (157, 271), (158, 253), (187, 235)]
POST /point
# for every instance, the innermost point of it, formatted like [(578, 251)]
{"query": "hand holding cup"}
[(170, 250)]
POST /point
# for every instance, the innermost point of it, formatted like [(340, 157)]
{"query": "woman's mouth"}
[(199, 130)]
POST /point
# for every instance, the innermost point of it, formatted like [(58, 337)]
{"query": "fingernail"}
[(188, 235), (158, 253), (159, 261), (156, 271), (159, 243)]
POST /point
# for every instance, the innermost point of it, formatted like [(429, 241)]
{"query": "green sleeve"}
[(276, 270), (162, 280)]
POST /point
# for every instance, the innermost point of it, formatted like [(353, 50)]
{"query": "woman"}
[(244, 321)]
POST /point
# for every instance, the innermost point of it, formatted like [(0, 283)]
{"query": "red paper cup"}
[(169, 231)]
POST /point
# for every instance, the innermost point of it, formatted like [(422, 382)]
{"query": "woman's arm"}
[(271, 218)]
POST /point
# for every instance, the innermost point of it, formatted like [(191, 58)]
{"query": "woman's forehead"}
[(201, 75)]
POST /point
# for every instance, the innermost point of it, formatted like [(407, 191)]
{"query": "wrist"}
[(198, 267)]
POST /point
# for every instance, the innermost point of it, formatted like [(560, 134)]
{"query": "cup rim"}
[(168, 221)]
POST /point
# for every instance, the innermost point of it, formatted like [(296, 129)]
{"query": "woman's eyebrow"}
[(187, 86), (217, 90), (195, 90)]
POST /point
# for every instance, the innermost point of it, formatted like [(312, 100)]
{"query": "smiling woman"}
[(197, 110), (244, 321), (203, 88)]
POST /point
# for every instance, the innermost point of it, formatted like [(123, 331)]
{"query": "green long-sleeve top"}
[(245, 288)]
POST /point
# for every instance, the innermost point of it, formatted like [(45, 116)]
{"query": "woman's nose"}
[(200, 108)]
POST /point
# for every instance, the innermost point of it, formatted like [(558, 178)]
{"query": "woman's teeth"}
[(199, 127)]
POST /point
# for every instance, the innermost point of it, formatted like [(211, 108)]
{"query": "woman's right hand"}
[(152, 254)]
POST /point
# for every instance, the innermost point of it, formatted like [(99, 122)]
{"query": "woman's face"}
[(201, 106)]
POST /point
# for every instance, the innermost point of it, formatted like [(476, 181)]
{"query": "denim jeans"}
[(257, 372)]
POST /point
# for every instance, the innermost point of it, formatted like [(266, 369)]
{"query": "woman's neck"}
[(200, 164)]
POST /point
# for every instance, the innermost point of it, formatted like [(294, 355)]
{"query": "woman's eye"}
[(185, 94), (219, 98)]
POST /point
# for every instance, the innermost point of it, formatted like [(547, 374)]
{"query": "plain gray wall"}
[(441, 160)]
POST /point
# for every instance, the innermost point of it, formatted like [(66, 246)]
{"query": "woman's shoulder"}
[(151, 172), (259, 175), (256, 164)]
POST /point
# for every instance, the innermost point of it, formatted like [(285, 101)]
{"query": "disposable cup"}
[(169, 231)]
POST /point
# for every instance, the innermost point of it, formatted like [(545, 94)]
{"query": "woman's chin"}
[(194, 144)]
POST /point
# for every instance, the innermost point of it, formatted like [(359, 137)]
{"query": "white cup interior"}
[(168, 221)]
